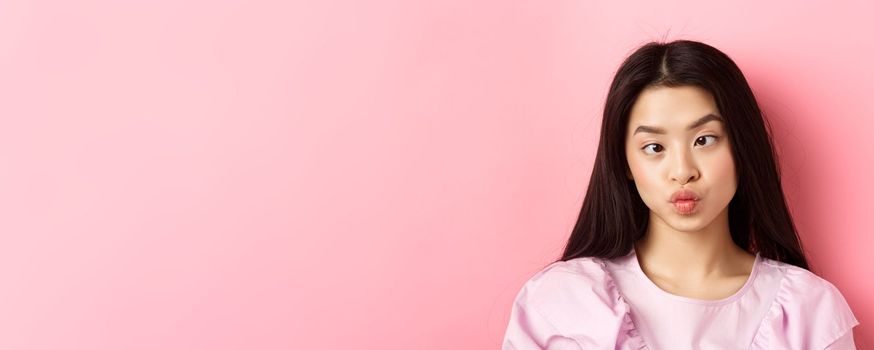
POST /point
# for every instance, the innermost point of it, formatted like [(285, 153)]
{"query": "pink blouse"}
[(592, 303)]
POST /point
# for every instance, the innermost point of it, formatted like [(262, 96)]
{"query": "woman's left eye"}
[(705, 138)]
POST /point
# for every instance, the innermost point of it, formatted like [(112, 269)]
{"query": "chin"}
[(688, 223)]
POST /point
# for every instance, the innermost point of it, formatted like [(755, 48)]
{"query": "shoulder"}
[(802, 286), (579, 270), (567, 279), (571, 304), (807, 311), (572, 293)]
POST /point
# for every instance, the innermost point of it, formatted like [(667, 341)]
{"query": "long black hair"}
[(613, 216)]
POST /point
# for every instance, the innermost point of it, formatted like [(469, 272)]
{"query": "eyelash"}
[(715, 138)]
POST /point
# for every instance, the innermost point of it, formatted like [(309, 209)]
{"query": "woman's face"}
[(676, 140)]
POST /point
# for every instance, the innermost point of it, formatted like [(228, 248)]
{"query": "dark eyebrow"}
[(701, 121)]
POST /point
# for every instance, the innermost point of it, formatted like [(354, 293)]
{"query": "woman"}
[(684, 239)]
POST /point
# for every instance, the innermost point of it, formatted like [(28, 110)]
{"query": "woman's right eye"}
[(656, 147)]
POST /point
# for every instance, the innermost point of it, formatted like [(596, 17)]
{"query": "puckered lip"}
[(684, 194)]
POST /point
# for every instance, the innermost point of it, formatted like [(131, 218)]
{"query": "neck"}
[(688, 256)]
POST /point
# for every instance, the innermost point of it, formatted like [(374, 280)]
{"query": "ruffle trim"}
[(633, 339), (763, 336), (793, 284)]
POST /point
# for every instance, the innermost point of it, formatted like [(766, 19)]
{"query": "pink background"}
[(379, 175)]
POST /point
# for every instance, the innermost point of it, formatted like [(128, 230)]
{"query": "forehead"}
[(671, 107)]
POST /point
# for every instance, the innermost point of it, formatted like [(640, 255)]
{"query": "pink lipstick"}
[(684, 201)]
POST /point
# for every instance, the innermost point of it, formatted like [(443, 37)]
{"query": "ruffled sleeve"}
[(808, 312), (571, 305)]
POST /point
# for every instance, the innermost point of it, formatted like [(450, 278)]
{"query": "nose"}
[(683, 168)]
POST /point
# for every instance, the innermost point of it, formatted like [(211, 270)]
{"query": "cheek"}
[(645, 179), (724, 173), (725, 168)]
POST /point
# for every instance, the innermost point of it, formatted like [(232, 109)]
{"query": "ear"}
[(628, 174)]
